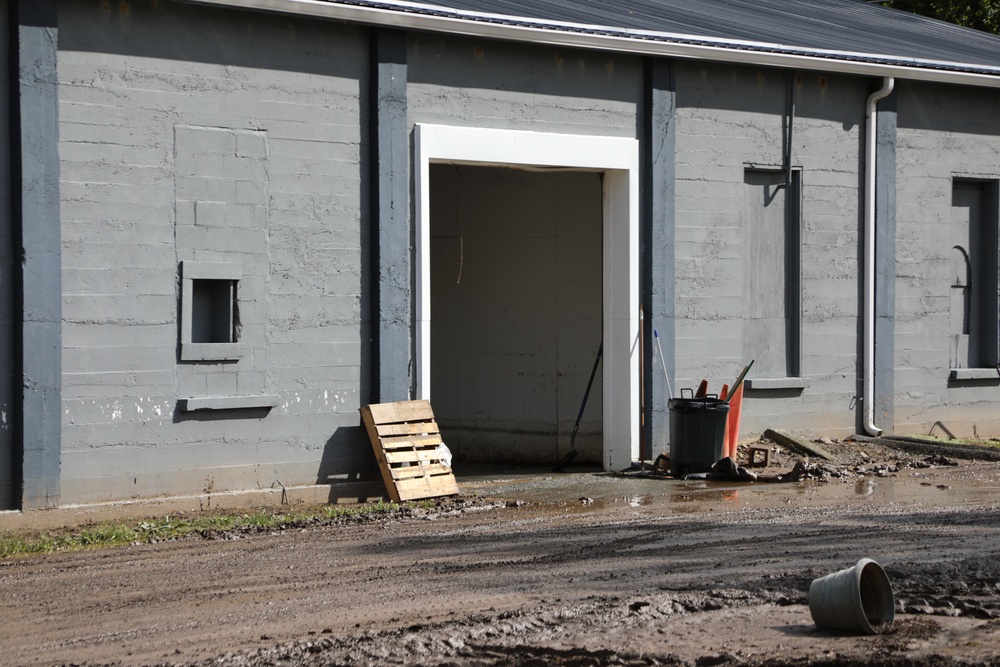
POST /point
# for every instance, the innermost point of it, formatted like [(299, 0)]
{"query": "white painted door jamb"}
[(618, 159)]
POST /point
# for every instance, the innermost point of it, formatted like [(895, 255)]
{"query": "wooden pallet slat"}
[(401, 411), (405, 438), (407, 428), (420, 470), (409, 441), (412, 456), (427, 487)]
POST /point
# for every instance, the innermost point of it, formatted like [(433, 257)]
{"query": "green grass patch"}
[(163, 529), (977, 442)]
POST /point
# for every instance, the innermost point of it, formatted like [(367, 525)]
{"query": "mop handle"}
[(663, 364)]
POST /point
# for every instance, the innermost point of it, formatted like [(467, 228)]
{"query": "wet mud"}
[(577, 569)]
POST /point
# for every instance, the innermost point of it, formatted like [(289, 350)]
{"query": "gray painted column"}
[(885, 263), (657, 244), (36, 231), (392, 236)]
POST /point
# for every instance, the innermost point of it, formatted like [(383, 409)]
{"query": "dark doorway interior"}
[(516, 311)]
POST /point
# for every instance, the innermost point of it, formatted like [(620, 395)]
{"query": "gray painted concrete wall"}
[(944, 132), (516, 308), (658, 282), (7, 458), (393, 373), (194, 134), (191, 134), (729, 118), (885, 266), (492, 84), (36, 226)]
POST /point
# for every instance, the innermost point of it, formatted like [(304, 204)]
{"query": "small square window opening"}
[(213, 311), (209, 311)]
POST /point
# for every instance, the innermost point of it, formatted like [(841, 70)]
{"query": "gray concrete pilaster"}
[(392, 236), (36, 231), (885, 263), (657, 245)]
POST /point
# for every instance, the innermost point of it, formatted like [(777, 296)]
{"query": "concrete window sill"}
[(965, 374), (211, 351), (774, 384), (226, 403)]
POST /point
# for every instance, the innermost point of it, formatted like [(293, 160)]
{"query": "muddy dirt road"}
[(579, 569)]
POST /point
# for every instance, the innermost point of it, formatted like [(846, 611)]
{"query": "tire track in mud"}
[(649, 549)]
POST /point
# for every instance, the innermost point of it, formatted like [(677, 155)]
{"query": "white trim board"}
[(618, 159)]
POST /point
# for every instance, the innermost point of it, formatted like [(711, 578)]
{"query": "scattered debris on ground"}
[(838, 459)]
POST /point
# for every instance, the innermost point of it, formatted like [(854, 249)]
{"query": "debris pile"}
[(935, 460), (804, 470), (727, 469)]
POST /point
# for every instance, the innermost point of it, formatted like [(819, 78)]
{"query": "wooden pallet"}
[(405, 438)]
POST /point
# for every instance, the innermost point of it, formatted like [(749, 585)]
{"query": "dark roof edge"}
[(414, 16)]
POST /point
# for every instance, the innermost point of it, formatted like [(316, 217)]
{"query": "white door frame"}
[(617, 158)]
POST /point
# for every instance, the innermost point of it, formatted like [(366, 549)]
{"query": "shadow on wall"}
[(212, 36), (348, 465), (242, 414)]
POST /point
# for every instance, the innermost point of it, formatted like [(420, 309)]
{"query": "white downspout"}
[(871, 117)]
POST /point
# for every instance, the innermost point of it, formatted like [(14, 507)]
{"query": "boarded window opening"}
[(973, 276), (771, 310)]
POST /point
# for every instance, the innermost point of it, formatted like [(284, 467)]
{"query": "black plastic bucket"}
[(696, 429)]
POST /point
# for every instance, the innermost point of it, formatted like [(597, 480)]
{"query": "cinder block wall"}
[(943, 132), (193, 134), (729, 118), (491, 84), (190, 134)]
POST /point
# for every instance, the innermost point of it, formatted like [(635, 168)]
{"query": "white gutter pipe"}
[(868, 394)]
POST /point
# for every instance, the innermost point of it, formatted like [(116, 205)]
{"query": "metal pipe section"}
[(871, 118), (791, 128)]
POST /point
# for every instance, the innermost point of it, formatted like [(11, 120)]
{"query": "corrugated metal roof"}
[(843, 29)]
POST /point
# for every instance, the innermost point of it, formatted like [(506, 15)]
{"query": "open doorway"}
[(516, 292), (614, 162)]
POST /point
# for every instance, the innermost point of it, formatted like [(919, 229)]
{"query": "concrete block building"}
[(229, 224)]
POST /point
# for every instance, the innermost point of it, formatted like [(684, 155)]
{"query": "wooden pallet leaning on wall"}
[(406, 438)]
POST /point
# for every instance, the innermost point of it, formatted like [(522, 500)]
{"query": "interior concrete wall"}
[(944, 132), (7, 455), (731, 117), (189, 133), (516, 311)]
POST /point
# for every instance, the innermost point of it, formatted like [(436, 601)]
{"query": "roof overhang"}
[(429, 18)]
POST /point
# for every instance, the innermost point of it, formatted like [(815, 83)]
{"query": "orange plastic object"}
[(702, 390), (725, 431), (733, 423)]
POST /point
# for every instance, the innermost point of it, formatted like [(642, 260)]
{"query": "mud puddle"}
[(975, 484)]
